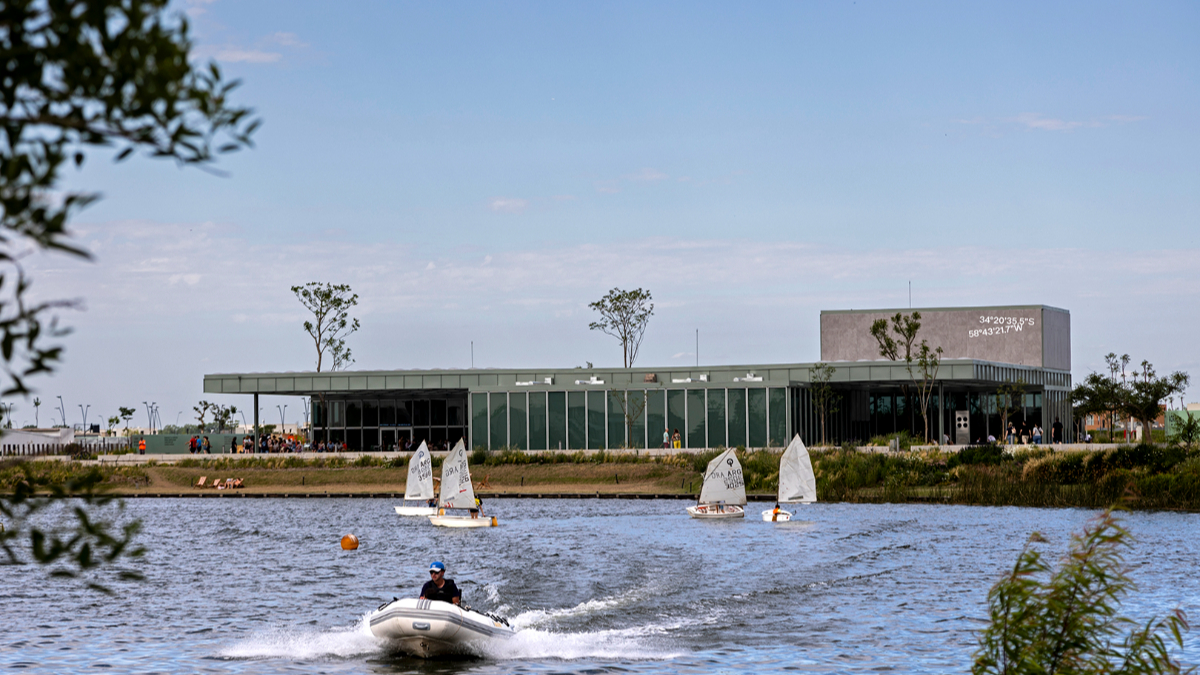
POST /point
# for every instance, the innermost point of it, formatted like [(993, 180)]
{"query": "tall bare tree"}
[(928, 361), (824, 397), (905, 328), (624, 315), (330, 305)]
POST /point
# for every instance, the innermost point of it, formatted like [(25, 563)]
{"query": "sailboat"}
[(724, 491), (458, 493), (797, 484), (419, 487)]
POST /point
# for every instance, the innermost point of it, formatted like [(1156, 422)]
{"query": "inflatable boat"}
[(429, 628)]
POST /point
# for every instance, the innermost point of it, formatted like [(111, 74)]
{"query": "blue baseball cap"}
[(437, 567)]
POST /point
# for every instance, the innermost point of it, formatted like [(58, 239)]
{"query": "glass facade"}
[(577, 420), (389, 422)]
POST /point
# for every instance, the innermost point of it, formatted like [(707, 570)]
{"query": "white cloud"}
[(239, 55), (286, 40), (508, 205)]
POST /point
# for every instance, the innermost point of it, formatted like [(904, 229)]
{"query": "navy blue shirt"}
[(447, 593)]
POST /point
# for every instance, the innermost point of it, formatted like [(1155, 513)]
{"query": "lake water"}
[(262, 586)]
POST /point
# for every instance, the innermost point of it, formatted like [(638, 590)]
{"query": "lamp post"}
[(282, 411), (83, 411), (62, 410), (149, 418)]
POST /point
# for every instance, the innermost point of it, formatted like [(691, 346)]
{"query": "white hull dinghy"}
[(458, 493), (419, 486), (429, 628), (724, 491), (797, 484)]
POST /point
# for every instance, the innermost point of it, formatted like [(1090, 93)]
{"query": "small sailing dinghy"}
[(797, 484), (458, 493), (428, 628), (724, 491), (419, 486)]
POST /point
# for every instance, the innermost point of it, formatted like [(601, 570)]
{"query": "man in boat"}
[(439, 587)]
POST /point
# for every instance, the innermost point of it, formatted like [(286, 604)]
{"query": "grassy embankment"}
[(1160, 477)]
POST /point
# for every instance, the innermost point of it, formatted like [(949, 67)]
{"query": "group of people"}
[(1026, 435), (672, 440)]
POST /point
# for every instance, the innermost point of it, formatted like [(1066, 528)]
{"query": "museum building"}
[(757, 405)]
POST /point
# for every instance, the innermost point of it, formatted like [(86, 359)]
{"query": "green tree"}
[(905, 327), (928, 361), (202, 409), (1009, 398), (222, 415), (112, 422), (127, 415), (330, 305), (1144, 395), (1044, 620), (824, 396), (624, 315)]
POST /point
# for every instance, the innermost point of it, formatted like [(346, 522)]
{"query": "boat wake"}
[(639, 643), (307, 645)]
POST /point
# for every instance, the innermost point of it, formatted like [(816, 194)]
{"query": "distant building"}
[(754, 405)]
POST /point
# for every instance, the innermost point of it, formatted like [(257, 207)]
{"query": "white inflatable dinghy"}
[(429, 628)]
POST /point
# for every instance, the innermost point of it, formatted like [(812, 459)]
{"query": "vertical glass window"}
[(437, 413), (370, 414), (556, 408), (404, 413), (354, 440), (716, 418), (756, 411), (637, 404), (676, 400), (595, 404), (737, 418), (696, 437), (370, 438), (518, 421), (537, 420), (617, 402), (337, 414), (318, 414), (656, 417), (479, 421), (421, 413), (576, 421), (778, 404), (456, 415), (387, 413), (498, 420), (353, 414)]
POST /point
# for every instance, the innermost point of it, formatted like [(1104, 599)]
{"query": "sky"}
[(479, 172)]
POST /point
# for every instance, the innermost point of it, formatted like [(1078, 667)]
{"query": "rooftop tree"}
[(624, 315), (330, 305)]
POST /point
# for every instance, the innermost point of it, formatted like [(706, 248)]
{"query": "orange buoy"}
[(349, 542)]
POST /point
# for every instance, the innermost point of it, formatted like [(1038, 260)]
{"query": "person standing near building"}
[(1056, 430), (141, 446), (666, 438)]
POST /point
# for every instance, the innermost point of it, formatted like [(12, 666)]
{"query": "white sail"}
[(723, 481), (457, 491), (420, 476), (796, 480)]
